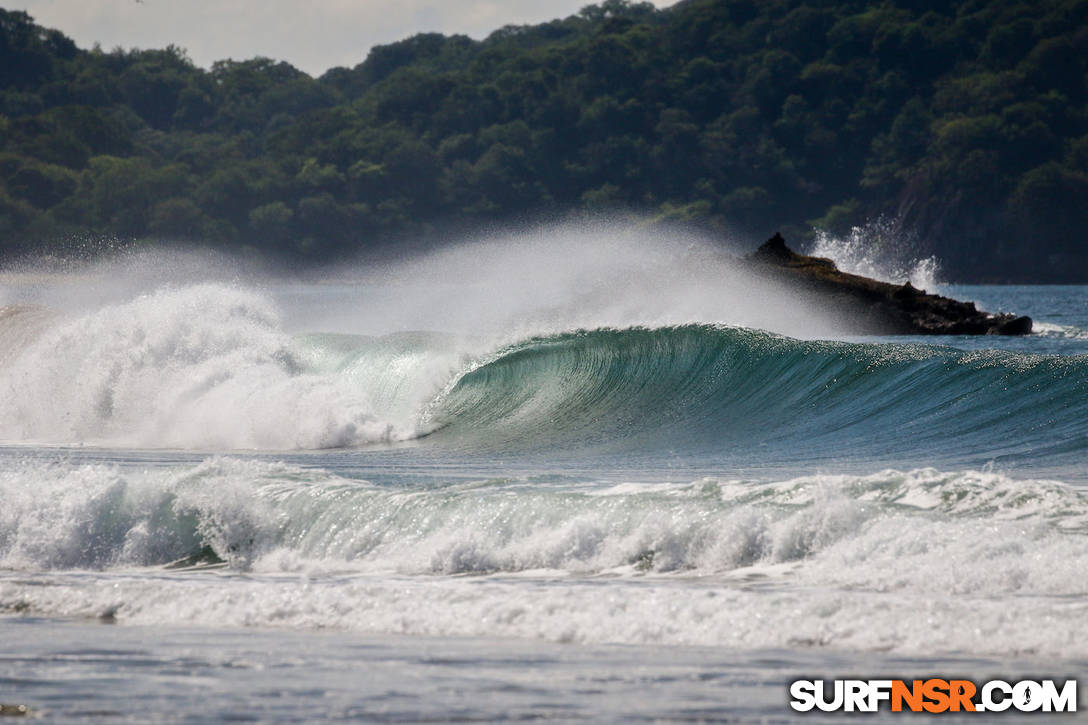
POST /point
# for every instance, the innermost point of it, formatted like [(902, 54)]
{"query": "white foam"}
[(919, 561), (1049, 329), (59, 515), (759, 612), (198, 367)]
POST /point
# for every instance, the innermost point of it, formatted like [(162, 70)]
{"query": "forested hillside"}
[(965, 120)]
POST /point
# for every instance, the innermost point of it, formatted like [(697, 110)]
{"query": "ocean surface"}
[(570, 476)]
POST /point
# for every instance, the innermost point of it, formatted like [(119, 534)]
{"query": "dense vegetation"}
[(965, 120)]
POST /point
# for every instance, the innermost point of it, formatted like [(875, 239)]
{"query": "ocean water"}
[(574, 475)]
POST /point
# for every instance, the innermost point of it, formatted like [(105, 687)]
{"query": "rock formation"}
[(876, 307)]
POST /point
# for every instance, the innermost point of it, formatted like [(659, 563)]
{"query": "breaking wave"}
[(209, 367), (275, 516)]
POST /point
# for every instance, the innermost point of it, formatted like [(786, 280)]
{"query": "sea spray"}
[(882, 250), (506, 287)]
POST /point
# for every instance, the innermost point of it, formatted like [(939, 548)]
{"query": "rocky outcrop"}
[(875, 307)]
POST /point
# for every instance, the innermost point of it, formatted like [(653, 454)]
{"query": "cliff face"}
[(876, 307)]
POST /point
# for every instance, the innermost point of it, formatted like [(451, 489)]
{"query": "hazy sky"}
[(313, 35)]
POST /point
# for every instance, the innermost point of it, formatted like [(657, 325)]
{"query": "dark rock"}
[(876, 307), (906, 292), (1016, 326), (774, 250)]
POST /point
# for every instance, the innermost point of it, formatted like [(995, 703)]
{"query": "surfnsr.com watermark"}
[(934, 695)]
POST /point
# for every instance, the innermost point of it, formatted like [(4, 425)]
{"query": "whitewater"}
[(579, 473)]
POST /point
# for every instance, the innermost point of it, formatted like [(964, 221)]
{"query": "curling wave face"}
[(715, 389)]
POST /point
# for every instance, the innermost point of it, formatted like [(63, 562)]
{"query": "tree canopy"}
[(966, 121)]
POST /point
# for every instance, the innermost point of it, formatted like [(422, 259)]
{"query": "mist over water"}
[(560, 279)]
